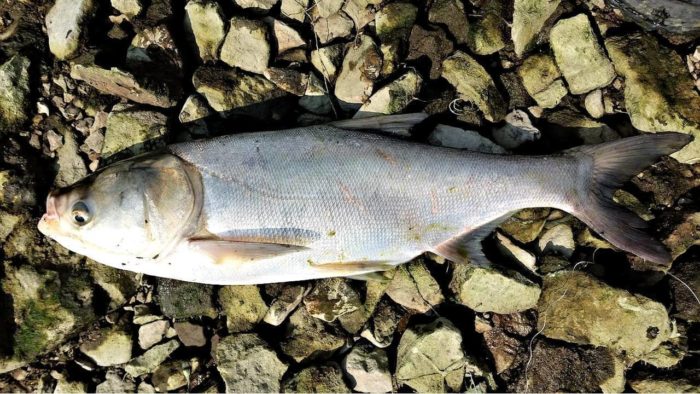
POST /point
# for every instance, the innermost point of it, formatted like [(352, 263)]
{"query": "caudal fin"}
[(611, 165)]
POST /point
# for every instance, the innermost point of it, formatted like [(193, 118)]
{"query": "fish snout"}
[(51, 217)]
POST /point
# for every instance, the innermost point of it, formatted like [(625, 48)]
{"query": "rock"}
[(264, 5), (522, 256), (294, 9), (14, 93), (490, 289), (361, 11), (153, 53), (529, 18), (286, 37), (414, 288), (248, 364), (685, 304), (659, 93), (567, 125), (555, 367), (231, 92), (629, 201), (287, 79), (332, 298), (326, 378), (374, 291), (206, 21), (8, 222), (597, 314), (114, 383), (326, 8), (243, 306), (504, 336), (64, 25), (454, 137), (246, 45), (149, 361), (130, 8), (170, 376), (432, 45), (393, 24), (579, 56), (195, 109), (71, 167), (430, 358), (393, 97), (487, 33), (668, 180), (663, 385), (360, 69), (181, 300), (190, 334), (135, 131), (327, 60), (119, 285), (594, 104), (474, 85), (559, 240), (335, 26), (368, 370), (452, 14), (517, 130), (284, 303), (152, 333), (65, 386), (109, 346), (308, 338), (123, 84), (542, 80), (145, 388), (316, 98)]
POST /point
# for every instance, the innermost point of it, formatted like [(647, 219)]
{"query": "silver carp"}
[(326, 201)]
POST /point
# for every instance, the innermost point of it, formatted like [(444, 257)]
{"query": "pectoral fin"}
[(227, 251)]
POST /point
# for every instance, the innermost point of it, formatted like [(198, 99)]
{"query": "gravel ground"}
[(86, 82)]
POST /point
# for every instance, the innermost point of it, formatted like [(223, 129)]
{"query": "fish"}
[(334, 200)]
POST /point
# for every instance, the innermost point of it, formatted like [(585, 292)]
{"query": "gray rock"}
[(263, 5), (335, 26), (248, 364), (326, 378), (327, 60), (489, 289), (529, 18), (294, 9), (246, 45), (180, 300), (14, 93), (332, 298), (454, 137), (368, 370), (190, 334), (110, 346), (308, 338), (286, 37), (559, 240), (394, 97), (152, 333), (123, 84), (474, 85), (316, 98), (430, 358), (206, 21), (136, 131), (591, 312), (288, 79), (360, 69), (114, 383), (579, 56), (286, 301), (542, 80), (516, 131), (149, 361), (64, 25), (130, 8), (243, 306), (415, 288), (71, 167)]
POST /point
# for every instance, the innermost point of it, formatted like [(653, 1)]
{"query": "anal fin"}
[(466, 247)]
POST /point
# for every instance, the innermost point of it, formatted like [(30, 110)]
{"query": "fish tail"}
[(607, 166)]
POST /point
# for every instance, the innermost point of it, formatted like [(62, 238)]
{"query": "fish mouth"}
[(49, 221)]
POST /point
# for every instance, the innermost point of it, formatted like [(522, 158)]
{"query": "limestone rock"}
[(332, 298), (368, 370), (659, 93), (474, 84), (65, 386), (579, 56), (558, 239), (488, 289), (361, 11), (137, 131), (594, 313), (567, 125), (542, 80), (326, 378), (263, 5), (181, 300), (286, 36), (120, 285), (288, 79), (327, 60), (248, 364), (14, 93), (246, 45), (393, 97), (194, 109), (335, 26), (325, 8), (308, 338), (130, 8), (594, 104), (414, 287), (152, 333), (294, 9), (529, 18), (454, 137), (243, 306), (149, 361), (65, 23), (360, 69), (110, 346), (522, 256), (206, 21)]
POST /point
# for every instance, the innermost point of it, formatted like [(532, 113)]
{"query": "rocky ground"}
[(86, 82)]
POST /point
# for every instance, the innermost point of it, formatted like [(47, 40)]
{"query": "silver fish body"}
[(321, 201)]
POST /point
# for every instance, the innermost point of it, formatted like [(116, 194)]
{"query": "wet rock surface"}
[(85, 83)]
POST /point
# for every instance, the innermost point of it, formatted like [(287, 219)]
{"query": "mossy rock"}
[(181, 300), (14, 93)]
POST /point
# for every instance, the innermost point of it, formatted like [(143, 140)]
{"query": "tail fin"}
[(612, 164)]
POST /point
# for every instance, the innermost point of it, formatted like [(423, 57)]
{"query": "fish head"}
[(133, 210)]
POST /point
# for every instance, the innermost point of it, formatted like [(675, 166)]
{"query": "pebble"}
[(71, 167), (190, 334), (263, 5), (181, 300), (108, 347), (368, 370), (64, 26), (287, 79), (294, 9), (171, 376), (515, 252), (248, 364), (433, 44), (195, 108), (246, 45), (206, 21), (393, 24), (452, 14), (307, 337), (136, 131), (542, 80)]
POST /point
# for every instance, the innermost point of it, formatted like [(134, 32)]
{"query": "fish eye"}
[(80, 213)]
